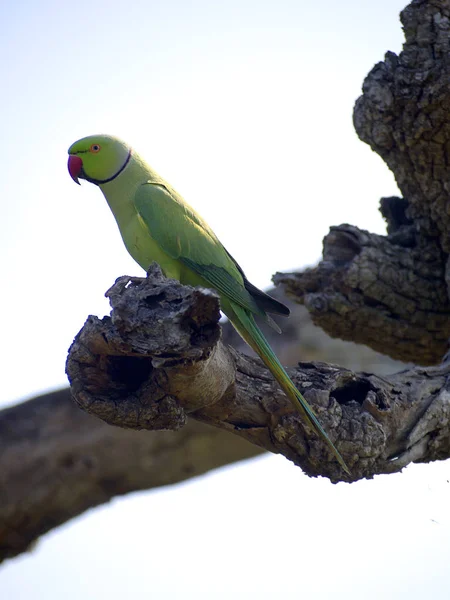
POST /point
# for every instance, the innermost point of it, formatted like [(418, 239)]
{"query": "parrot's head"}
[(98, 158)]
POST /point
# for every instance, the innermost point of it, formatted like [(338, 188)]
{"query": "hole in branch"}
[(355, 391), (154, 301), (130, 371)]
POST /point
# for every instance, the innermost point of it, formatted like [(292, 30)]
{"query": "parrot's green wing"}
[(183, 235)]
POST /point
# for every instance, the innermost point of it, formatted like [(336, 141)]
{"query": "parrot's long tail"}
[(245, 325)]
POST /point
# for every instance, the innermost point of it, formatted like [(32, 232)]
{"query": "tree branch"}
[(56, 462), (374, 291), (159, 358)]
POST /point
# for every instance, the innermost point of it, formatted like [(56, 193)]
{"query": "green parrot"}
[(156, 224)]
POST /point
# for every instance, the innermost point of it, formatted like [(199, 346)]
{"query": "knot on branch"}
[(119, 366), (403, 115)]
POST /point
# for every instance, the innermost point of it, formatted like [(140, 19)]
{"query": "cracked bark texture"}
[(159, 358), (372, 290), (159, 361), (403, 115)]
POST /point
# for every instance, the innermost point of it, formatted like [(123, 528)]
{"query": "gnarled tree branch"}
[(159, 358), (57, 461), (372, 290)]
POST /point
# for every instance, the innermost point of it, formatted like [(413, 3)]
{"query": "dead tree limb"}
[(372, 290), (56, 462), (158, 358)]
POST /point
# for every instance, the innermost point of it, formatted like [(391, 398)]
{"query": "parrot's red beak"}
[(75, 166)]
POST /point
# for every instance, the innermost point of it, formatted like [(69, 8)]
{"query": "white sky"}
[(245, 107)]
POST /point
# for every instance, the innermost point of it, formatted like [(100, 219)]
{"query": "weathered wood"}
[(372, 290), (403, 115), (130, 378)]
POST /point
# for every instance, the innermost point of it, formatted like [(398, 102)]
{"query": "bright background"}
[(245, 106)]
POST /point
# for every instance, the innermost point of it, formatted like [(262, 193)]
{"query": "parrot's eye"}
[(94, 148)]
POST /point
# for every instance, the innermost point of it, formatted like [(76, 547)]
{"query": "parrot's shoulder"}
[(157, 196), (158, 192)]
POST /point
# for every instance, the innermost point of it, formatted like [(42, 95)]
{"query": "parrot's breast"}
[(143, 247), (135, 234)]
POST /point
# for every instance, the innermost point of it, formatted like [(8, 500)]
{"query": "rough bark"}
[(159, 358), (403, 115), (373, 290)]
